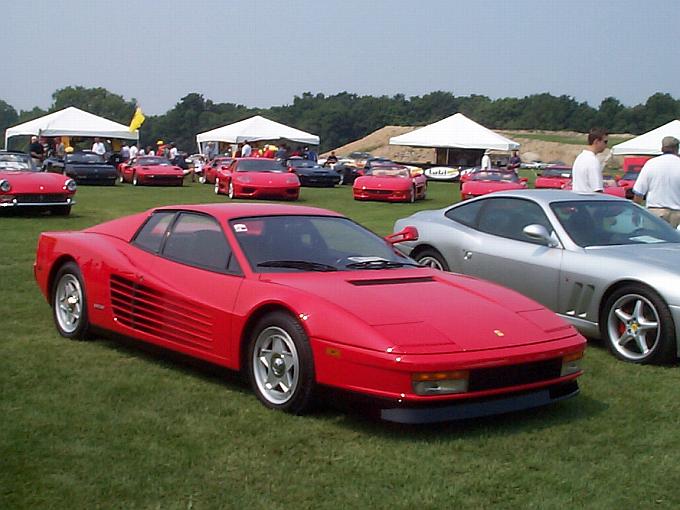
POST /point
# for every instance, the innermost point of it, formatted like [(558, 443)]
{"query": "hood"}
[(265, 178), (35, 182), (380, 182), (482, 187), (658, 257), (423, 310), (158, 169)]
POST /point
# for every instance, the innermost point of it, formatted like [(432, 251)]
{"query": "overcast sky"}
[(264, 53)]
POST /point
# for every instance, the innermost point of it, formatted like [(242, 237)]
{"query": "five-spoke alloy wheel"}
[(69, 304)]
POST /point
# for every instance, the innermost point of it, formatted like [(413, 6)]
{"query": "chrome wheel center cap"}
[(278, 366)]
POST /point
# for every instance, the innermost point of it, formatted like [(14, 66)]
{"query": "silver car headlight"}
[(440, 383), (5, 186), (70, 185)]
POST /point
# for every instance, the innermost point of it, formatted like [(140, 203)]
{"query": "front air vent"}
[(391, 281), (160, 314)]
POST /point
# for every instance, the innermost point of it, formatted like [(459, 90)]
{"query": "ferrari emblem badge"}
[(498, 332)]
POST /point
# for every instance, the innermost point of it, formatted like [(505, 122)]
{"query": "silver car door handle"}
[(467, 255)]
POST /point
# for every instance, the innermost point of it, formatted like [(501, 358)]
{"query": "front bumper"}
[(382, 195), (38, 201)]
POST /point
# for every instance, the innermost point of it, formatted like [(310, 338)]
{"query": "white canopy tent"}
[(72, 121), (255, 129), (648, 143), (457, 132)]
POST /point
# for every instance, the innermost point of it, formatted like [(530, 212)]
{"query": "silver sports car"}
[(605, 264)]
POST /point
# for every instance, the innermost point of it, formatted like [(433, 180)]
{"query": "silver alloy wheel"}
[(135, 182), (121, 179), (217, 186), (276, 365), (429, 261), (633, 325), (230, 190), (68, 302), (201, 179)]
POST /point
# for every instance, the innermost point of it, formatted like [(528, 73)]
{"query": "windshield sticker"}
[(646, 239), (240, 227), (367, 259)]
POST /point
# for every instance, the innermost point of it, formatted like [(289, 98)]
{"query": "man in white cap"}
[(486, 160), (659, 181)]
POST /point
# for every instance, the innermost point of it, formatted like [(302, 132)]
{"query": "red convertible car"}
[(257, 178), (212, 167), (480, 182), (279, 293), (150, 170), (553, 177), (389, 182), (23, 186)]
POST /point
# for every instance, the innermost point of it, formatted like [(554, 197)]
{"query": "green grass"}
[(105, 424), (568, 139)]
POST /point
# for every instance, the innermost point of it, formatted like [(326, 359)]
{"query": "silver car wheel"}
[(217, 186), (68, 301), (201, 179), (275, 365), (432, 262), (230, 190), (633, 327)]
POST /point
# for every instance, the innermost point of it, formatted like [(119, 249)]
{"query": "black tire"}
[(626, 325), (412, 198), (279, 356), (431, 258), (60, 210), (69, 303)]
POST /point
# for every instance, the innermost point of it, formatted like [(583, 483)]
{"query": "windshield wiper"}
[(298, 264), (379, 264)]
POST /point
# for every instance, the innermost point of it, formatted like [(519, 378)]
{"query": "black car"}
[(85, 167), (311, 173)]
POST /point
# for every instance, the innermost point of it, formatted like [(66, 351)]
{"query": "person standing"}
[(125, 152), (586, 173), (246, 150), (133, 151), (514, 162), (37, 152), (659, 181), (486, 160), (98, 147), (173, 152)]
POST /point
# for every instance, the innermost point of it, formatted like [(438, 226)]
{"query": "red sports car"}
[(150, 170), (555, 177), (211, 168), (611, 187), (279, 292), (480, 182), (389, 182), (257, 178), (23, 186)]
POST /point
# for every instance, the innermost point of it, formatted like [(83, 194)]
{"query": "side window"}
[(151, 235), (466, 214), (507, 217), (198, 240)]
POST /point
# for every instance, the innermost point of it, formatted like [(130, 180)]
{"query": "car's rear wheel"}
[(431, 258), (230, 190), (69, 304), (217, 186), (201, 179), (638, 326), (280, 364), (60, 210)]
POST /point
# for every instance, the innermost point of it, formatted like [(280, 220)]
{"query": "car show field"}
[(111, 423)]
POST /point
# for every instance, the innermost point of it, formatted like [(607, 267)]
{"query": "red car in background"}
[(553, 177), (389, 182), (23, 186), (480, 182), (627, 181), (611, 187), (150, 170), (257, 178), (211, 168)]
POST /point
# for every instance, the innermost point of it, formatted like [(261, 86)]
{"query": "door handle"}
[(467, 255)]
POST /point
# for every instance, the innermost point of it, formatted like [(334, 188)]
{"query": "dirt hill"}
[(377, 143)]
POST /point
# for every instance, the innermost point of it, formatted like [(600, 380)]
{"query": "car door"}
[(502, 253), (185, 287)]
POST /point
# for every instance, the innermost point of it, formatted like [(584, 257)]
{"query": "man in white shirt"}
[(246, 150), (98, 147), (486, 160), (586, 173), (173, 151), (133, 151), (659, 180)]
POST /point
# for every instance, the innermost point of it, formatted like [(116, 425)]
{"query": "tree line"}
[(341, 118)]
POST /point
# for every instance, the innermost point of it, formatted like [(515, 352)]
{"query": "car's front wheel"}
[(135, 181), (121, 179), (638, 326), (69, 304), (280, 364), (201, 179), (412, 198), (431, 258), (230, 190), (217, 186)]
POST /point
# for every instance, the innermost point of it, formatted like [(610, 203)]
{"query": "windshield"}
[(556, 172), (303, 163), (608, 223), (312, 243), (17, 162), (259, 165), (86, 158), (389, 171), (630, 176), (495, 176), (152, 161)]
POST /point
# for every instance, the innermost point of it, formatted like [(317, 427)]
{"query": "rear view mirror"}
[(407, 234)]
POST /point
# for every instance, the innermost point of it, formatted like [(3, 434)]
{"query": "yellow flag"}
[(137, 120)]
